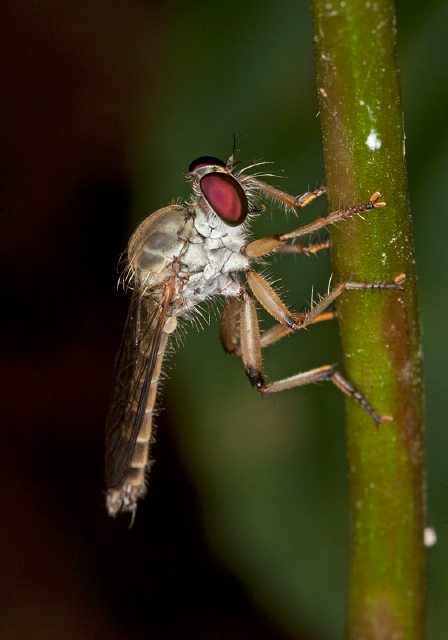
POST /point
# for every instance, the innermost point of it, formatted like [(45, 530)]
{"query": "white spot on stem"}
[(429, 537), (373, 142)]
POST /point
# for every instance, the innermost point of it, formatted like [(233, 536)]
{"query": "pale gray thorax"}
[(191, 247)]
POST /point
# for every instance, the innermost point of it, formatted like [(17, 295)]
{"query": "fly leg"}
[(292, 202), (273, 304), (262, 246), (230, 327), (251, 356), (278, 331), (307, 249), (327, 372), (311, 315), (242, 311)]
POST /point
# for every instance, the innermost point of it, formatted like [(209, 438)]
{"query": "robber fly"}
[(182, 255)]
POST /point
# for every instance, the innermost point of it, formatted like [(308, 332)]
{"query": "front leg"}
[(291, 202)]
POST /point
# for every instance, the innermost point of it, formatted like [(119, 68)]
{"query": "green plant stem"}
[(360, 109)]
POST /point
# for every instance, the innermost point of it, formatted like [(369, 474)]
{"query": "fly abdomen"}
[(132, 486)]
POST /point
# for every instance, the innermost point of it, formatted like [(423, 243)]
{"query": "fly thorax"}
[(157, 243)]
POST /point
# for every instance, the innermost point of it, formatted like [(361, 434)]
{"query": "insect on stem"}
[(177, 258)]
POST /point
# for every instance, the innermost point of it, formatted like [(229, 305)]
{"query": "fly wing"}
[(133, 373)]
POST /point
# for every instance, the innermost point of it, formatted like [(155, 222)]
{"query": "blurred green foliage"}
[(100, 95), (269, 472)]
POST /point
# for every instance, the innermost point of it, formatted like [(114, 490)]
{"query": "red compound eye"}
[(226, 197)]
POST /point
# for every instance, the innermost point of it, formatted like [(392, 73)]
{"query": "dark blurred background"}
[(244, 530)]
